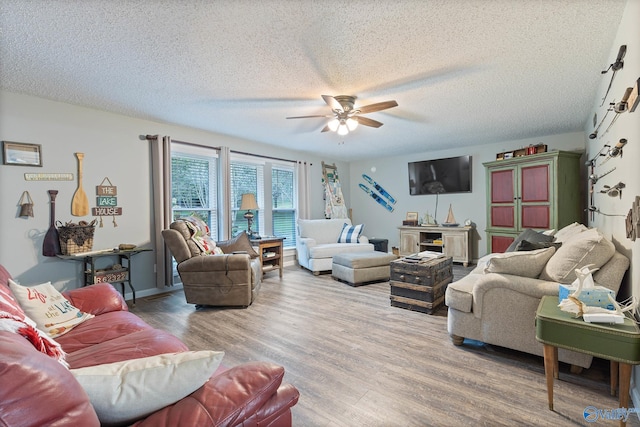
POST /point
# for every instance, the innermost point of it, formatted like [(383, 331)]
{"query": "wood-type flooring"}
[(357, 361)]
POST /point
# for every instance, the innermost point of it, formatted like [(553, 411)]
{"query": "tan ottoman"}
[(361, 268)]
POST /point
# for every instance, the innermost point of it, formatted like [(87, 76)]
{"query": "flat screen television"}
[(450, 175)]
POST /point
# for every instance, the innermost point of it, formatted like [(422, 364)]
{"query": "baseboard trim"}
[(128, 296)]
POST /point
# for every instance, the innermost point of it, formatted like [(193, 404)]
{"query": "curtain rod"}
[(155, 137), (263, 157), (193, 144)]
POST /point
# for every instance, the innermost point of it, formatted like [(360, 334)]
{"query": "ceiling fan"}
[(345, 116)]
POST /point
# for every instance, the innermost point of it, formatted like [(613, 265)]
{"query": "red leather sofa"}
[(37, 390)]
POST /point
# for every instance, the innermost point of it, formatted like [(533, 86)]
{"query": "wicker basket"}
[(77, 238)]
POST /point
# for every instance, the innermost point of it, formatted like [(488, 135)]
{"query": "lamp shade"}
[(333, 124), (248, 202), (343, 129)]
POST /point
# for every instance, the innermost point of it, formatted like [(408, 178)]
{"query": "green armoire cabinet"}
[(539, 191)]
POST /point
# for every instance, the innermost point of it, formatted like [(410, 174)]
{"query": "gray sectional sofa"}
[(497, 302)]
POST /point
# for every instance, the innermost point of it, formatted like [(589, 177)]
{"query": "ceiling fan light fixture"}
[(346, 117), (333, 124)]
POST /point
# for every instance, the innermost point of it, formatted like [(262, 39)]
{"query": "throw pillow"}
[(240, 243), (585, 247), (530, 235), (123, 392), (523, 264), (51, 311), (201, 236), (350, 233), (26, 327), (8, 302), (526, 245), (568, 231)]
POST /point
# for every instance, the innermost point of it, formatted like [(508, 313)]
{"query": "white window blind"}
[(194, 189), (247, 177)]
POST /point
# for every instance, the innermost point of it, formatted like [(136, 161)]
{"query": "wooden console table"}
[(121, 275), (619, 343), (451, 241), (271, 253)]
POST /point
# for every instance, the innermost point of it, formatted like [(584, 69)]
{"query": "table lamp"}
[(248, 204)]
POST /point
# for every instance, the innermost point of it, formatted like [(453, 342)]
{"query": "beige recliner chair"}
[(229, 279)]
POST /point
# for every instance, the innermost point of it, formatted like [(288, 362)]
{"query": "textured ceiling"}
[(463, 72)]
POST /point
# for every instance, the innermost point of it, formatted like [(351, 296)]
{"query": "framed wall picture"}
[(21, 154)]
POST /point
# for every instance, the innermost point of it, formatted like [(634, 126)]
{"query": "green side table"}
[(619, 343)]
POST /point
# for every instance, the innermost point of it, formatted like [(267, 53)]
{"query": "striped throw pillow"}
[(350, 233)]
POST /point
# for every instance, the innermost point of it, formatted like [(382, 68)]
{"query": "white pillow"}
[(568, 231), (51, 311), (523, 264), (584, 248), (123, 392)]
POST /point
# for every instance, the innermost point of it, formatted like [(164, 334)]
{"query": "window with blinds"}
[(246, 177), (273, 184), (283, 204), (194, 184)]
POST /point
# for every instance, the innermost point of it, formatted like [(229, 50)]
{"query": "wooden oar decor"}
[(51, 243), (80, 202)]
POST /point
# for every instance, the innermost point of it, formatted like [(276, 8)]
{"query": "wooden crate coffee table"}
[(420, 286)]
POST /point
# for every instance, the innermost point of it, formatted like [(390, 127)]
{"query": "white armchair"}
[(317, 243)]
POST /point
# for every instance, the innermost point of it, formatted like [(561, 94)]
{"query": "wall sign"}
[(48, 177), (106, 201)]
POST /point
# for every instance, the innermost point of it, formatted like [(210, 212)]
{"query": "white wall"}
[(626, 126), (627, 167), (392, 174), (112, 149)]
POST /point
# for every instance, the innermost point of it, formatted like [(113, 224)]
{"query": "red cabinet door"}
[(535, 196), (503, 198), (499, 244)]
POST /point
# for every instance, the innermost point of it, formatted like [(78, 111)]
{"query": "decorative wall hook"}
[(615, 66), (614, 191), (601, 153), (620, 108), (594, 134), (617, 149), (26, 205), (594, 178), (614, 151)]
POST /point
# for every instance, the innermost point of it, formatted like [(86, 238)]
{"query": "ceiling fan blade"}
[(377, 107), (325, 129), (308, 117), (332, 102), (367, 121)]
